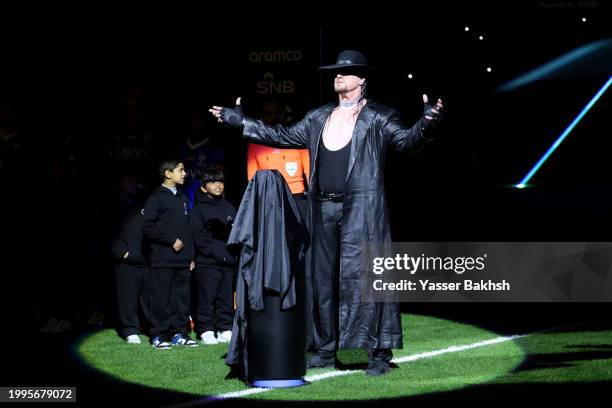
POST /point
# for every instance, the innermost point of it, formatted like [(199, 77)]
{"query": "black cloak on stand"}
[(273, 240)]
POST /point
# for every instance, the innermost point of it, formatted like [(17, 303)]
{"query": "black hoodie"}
[(129, 239), (211, 223), (166, 218)]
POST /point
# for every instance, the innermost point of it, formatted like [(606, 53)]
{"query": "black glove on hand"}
[(434, 112), (233, 117)]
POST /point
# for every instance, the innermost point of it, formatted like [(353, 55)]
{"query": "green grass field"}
[(545, 357)]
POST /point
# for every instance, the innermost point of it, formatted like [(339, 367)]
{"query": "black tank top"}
[(332, 168)]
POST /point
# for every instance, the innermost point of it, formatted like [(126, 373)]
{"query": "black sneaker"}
[(319, 362)]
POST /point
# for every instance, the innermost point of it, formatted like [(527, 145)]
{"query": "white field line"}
[(338, 373)]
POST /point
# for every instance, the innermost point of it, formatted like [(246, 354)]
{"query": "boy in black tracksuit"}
[(131, 269), (211, 222), (166, 229)]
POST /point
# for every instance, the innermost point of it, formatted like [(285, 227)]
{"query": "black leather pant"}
[(326, 265), (326, 253)]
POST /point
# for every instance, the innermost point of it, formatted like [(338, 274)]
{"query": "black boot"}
[(379, 362)]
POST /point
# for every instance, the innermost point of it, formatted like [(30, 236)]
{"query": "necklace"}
[(348, 104)]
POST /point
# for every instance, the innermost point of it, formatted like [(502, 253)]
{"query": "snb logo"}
[(269, 86)]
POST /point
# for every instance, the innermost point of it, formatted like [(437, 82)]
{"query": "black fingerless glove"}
[(436, 117), (233, 117)]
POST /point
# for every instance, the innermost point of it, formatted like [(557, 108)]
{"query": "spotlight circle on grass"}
[(202, 369)]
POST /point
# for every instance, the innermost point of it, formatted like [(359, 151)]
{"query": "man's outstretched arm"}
[(296, 135), (402, 138)]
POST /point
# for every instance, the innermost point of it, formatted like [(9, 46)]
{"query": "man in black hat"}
[(347, 205)]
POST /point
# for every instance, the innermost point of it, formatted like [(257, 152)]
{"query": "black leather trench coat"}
[(365, 217)]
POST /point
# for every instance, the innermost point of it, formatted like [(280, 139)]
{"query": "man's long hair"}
[(364, 91), (362, 97)]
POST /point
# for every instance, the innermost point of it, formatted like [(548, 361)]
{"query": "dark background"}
[(64, 73)]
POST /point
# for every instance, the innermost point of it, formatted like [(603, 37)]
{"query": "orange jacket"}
[(293, 164)]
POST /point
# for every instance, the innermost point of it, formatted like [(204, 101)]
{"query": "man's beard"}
[(340, 87)]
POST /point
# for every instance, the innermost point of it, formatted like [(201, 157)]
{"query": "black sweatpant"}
[(215, 306), (169, 302), (131, 292)]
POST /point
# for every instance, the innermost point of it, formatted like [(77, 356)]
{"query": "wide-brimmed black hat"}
[(350, 59)]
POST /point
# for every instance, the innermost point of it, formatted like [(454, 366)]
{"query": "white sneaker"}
[(225, 337), (133, 339), (209, 338)]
